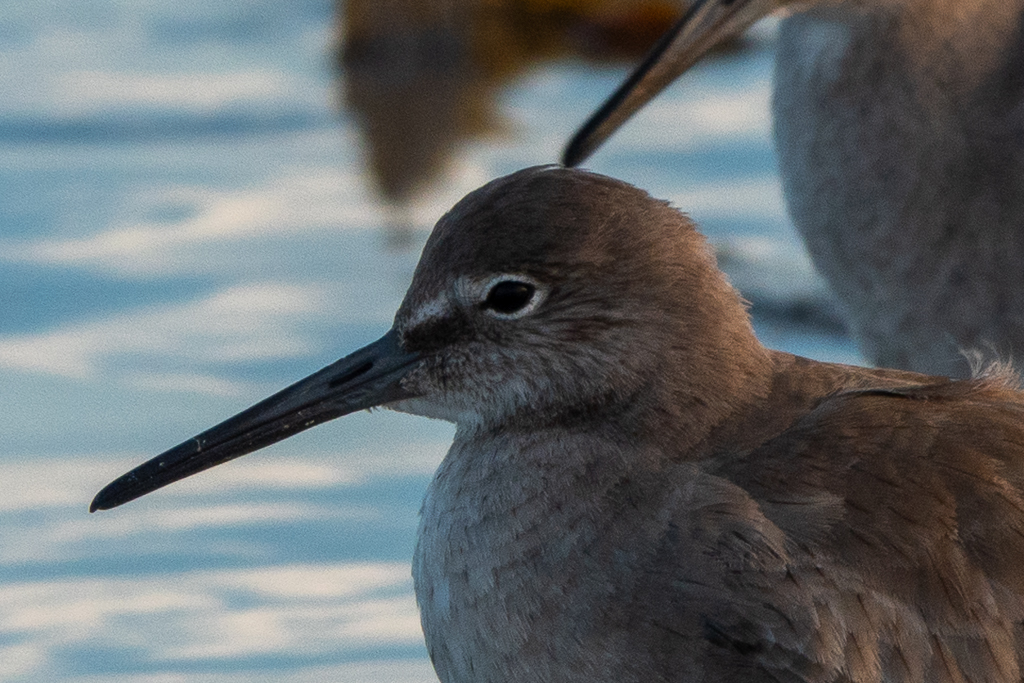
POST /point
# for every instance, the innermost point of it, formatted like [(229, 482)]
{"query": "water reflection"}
[(422, 78)]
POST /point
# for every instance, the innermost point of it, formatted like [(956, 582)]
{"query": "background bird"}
[(639, 491), (899, 126)]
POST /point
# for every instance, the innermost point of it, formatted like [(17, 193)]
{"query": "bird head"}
[(554, 290), (546, 295)]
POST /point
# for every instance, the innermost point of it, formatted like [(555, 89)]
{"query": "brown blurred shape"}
[(421, 77)]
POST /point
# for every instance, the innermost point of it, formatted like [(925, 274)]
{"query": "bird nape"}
[(898, 126), (639, 491)]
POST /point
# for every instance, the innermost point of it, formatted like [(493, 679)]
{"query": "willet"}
[(900, 132), (639, 491)]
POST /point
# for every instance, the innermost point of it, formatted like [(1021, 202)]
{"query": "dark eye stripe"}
[(509, 296)]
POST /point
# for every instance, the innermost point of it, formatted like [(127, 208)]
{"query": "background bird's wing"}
[(879, 538)]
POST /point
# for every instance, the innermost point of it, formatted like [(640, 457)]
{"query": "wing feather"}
[(879, 538)]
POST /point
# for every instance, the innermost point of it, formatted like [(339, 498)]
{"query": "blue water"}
[(186, 226)]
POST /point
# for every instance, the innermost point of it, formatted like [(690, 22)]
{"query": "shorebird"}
[(639, 491), (899, 126)]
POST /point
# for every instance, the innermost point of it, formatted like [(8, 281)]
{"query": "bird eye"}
[(509, 297)]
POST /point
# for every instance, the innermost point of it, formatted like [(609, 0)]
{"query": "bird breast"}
[(520, 552), (555, 557)]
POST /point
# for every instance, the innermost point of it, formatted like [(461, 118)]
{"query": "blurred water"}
[(185, 226)]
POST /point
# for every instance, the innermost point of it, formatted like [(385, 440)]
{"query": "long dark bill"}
[(369, 377), (706, 24)]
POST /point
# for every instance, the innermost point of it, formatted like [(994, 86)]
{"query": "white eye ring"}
[(509, 296)]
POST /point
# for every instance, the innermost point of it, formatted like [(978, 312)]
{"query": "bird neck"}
[(703, 386), (700, 380)]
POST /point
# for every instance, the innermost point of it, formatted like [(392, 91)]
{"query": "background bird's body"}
[(899, 128)]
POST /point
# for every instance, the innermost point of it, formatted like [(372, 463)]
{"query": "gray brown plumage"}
[(899, 126), (638, 491)]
